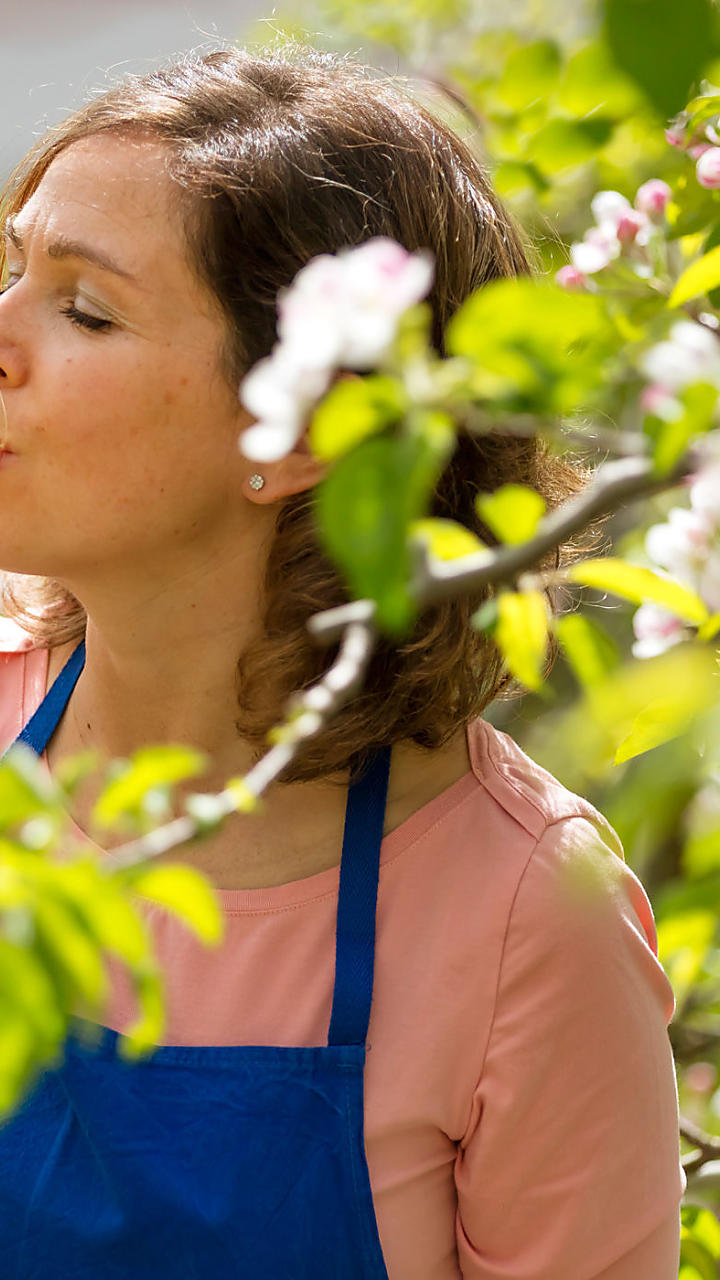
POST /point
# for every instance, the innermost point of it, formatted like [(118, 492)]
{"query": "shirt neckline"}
[(325, 883)]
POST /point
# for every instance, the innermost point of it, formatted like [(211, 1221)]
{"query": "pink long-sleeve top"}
[(521, 1109)]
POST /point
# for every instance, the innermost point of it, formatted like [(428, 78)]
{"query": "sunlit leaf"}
[(148, 769), (352, 410), (592, 82), (184, 892), (683, 942), (637, 583), (530, 72), (365, 508), (446, 539), (697, 279), (512, 512), (533, 343), (522, 634), (563, 144), (590, 651)]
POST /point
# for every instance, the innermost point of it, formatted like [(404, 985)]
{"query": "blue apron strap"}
[(357, 902), (359, 865), (41, 726)]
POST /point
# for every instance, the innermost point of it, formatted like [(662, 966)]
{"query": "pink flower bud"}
[(658, 401), (652, 198), (628, 227), (708, 168), (698, 149), (675, 136), (570, 277)]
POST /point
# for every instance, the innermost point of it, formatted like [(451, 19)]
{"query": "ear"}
[(299, 470)]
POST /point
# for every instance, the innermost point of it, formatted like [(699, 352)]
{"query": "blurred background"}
[(54, 54)]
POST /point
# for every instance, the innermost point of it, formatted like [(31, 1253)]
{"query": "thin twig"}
[(620, 480)]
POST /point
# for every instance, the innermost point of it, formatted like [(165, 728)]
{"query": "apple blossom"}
[(652, 198), (707, 168), (340, 312), (570, 277), (690, 354), (658, 401), (656, 630), (628, 227), (675, 135)]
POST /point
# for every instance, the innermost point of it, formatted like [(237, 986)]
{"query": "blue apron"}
[(211, 1162)]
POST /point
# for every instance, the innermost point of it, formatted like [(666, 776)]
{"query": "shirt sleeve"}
[(570, 1165)]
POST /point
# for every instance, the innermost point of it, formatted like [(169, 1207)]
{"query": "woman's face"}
[(123, 432)]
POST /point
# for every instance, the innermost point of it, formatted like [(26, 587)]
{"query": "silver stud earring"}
[(256, 481)]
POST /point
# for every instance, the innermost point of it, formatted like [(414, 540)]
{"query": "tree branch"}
[(614, 482)]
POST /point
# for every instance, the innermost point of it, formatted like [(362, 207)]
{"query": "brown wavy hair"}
[(276, 158)]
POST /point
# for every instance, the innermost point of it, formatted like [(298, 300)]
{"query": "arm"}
[(570, 1167)]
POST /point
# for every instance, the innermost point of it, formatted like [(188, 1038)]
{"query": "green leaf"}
[(522, 634), (671, 439), (590, 651), (365, 508), (683, 943), (712, 242), (147, 770), (700, 110), (637, 583), (706, 1229), (181, 890), (697, 279), (446, 539), (693, 1254), (512, 512), (663, 45), (352, 410), (530, 73), (534, 346), (511, 176), (564, 144), (25, 789), (592, 82)]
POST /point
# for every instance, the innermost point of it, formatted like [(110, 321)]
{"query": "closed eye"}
[(94, 323)]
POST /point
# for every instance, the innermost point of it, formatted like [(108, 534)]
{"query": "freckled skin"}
[(102, 423)]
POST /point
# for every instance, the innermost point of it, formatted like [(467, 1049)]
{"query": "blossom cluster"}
[(703, 148), (690, 353), (684, 548), (620, 228), (340, 312)]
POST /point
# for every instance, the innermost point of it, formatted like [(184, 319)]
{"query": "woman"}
[(516, 1113)]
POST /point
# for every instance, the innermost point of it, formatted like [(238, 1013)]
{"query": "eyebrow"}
[(62, 247)]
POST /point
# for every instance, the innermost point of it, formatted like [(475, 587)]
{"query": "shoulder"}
[(563, 858), (531, 797)]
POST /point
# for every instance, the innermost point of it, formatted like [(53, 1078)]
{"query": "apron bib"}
[(241, 1162)]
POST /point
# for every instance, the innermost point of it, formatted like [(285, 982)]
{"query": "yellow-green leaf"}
[(183, 891), (353, 409), (447, 539), (697, 279), (590, 651), (637, 583), (512, 511), (522, 634)]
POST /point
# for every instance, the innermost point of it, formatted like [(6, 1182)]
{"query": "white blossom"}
[(340, 312), (656, 630)]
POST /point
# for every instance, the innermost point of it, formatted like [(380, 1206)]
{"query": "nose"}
[(13, 363), (13, 357)]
